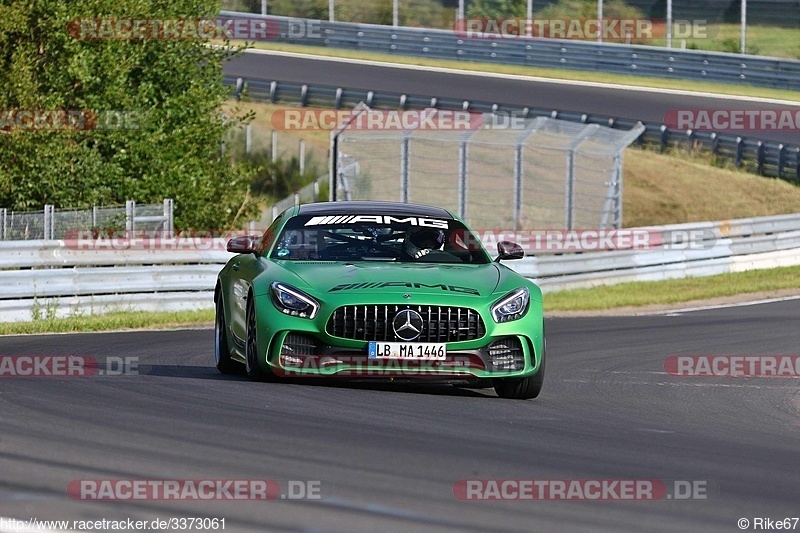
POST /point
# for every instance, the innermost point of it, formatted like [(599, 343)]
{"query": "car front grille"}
[(374, 323)]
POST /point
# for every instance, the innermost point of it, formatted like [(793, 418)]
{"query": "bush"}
[(173, 89)]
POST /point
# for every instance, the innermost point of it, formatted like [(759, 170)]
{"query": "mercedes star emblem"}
[(407, 325)]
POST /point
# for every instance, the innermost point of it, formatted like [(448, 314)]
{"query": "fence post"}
[(3, 227), (316, 190), (130, 212), (274, 146), (570, 194), (517, 184), (302, 157), (169, 223), (248, 138), (94, 217), (404, 158), (48, 222), (519, 174), (781, 161), (571, 148), (463, 156)]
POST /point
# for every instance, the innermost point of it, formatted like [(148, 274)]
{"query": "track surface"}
[(645, 106), (387, 456)]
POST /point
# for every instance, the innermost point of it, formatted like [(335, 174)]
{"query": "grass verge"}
[(110, 322), (639, 294), (759, 283)]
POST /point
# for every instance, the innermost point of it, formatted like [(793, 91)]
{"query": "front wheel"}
[(252, 366), (521, 389)]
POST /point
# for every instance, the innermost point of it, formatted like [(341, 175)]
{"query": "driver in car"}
[(420, 242)]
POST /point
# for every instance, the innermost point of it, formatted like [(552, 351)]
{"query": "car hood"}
[(419, 278)]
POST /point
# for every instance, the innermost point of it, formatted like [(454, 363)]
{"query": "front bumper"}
[(303, 348)]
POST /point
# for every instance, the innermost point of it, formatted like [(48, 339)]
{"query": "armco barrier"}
[(48, 277), (767, 158), (540, 52)]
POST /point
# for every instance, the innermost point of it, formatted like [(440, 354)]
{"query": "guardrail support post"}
[(304, 96), (274, 146), (404, 160), (797, 163), (239, 88), (739, 152), (273, 92)]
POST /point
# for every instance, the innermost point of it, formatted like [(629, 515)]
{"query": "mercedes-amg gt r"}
[(378, 290)]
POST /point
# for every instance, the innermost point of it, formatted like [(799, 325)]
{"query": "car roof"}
[(373, 208)]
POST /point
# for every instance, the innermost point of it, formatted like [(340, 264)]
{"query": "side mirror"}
[(509, 250), (245, 244)]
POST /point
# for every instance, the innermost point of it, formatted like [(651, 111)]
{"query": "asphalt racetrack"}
[(387, 456), (647, 106)]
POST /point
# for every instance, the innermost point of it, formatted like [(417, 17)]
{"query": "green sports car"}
[(378, 290)]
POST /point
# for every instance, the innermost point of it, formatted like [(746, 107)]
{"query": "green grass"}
[(638, 294), (560, 74), (111, 322)]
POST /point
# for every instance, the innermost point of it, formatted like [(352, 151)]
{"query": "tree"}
[(167, 90)]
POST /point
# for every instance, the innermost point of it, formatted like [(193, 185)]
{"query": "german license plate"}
[(407, 350)]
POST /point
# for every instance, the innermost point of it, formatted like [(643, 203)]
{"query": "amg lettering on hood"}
[(387, 220), (406, 284)]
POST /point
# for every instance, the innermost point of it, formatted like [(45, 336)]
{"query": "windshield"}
[(378, 238)]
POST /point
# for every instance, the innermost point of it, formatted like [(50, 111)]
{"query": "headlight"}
[(512, 306), (293, 301)]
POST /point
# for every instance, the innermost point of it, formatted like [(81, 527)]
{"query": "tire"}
[(253, 368), (222, 354), (521, 389)]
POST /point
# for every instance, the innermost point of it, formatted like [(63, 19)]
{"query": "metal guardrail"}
[(767, 158), (63, 280), (540, 52)]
